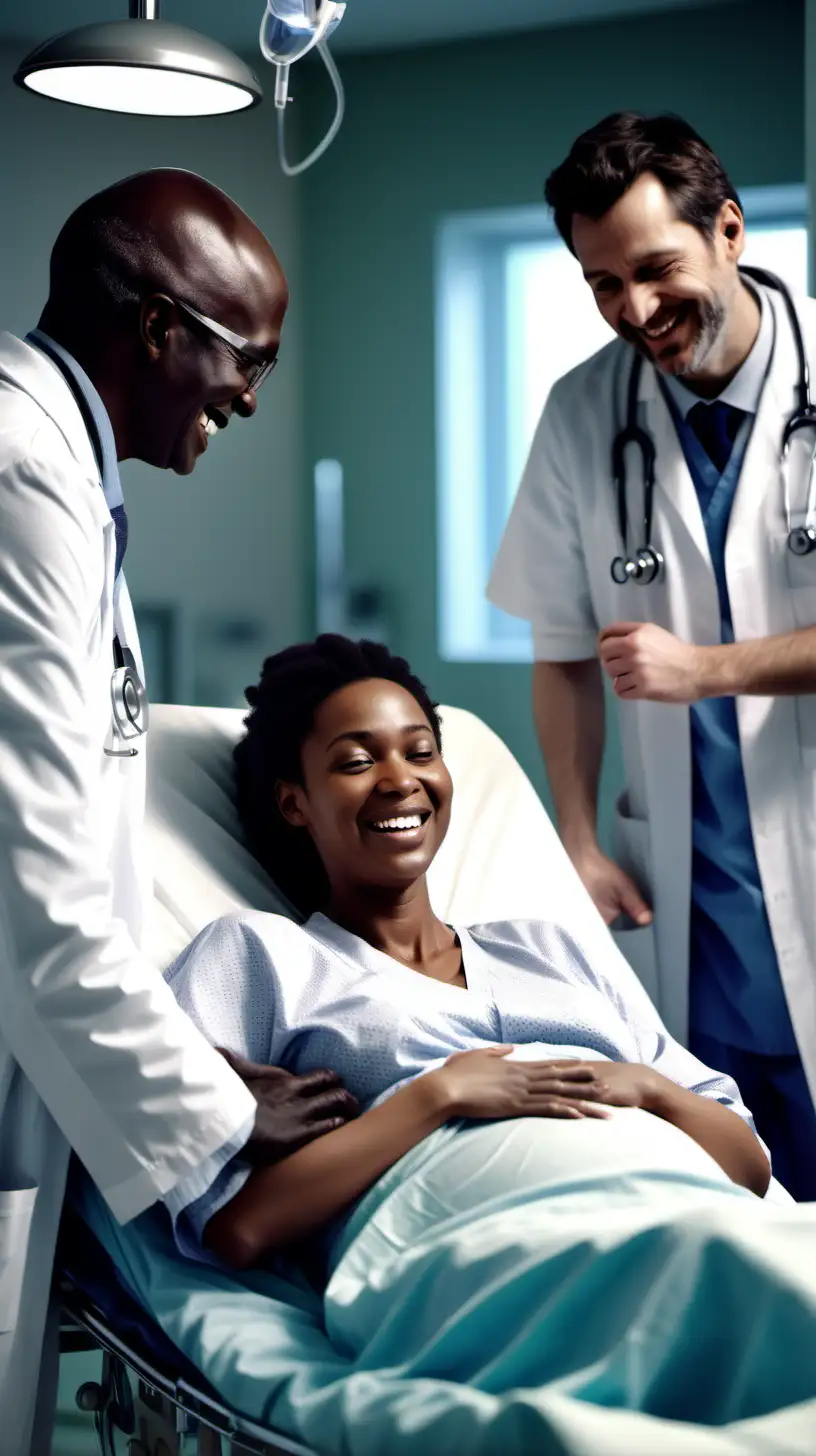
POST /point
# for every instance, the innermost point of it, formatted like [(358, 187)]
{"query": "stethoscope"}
[(130, 711), (644, 564)]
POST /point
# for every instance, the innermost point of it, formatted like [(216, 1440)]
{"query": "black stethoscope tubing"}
[(646, 563)]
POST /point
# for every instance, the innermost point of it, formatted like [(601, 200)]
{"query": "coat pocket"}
[(16, 1212), (631, 850)]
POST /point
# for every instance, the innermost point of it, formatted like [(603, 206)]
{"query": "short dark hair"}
[(605, 161), (292, 686)]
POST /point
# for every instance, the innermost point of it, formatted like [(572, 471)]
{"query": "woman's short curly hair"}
[(283, 705)]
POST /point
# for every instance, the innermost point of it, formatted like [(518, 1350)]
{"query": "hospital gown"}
[(319, 996), (508, 1286)]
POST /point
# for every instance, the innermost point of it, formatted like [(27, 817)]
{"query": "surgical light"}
[(141, 65)]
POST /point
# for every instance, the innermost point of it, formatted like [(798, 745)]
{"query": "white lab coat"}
[(553, 568), (94, 1052)]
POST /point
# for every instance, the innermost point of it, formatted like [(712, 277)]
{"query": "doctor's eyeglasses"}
[(254, 362)]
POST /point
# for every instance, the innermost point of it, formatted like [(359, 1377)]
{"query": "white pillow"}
[(201, 866), (501, 859)]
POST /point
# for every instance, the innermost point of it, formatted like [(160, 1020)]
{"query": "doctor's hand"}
[(612, 892), (644, 661), (292, 1110)]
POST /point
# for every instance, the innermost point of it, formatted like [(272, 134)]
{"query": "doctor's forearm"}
[(568, 708), (767, 667)]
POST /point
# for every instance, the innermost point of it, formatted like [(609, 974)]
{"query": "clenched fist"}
[(647, 662)]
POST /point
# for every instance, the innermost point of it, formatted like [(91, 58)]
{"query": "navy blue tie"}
[(120, 526), (716, 426)]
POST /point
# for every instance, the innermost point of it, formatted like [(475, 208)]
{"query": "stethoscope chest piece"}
[(644, 564), (642, 568), (802, 540), (129, 705)]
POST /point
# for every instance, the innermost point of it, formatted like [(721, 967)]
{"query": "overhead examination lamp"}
[(142, 65), (289, 30)]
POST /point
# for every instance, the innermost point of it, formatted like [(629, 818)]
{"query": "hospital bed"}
[(502, 859)]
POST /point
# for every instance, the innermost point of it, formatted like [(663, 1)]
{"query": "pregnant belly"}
[(462, 1169), (547, 1153), (505, 1206)]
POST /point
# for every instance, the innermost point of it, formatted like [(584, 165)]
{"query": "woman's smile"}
[(404, 830), (375, 794)]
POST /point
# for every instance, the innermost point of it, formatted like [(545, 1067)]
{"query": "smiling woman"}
[(342, 738), (345, 799), (541, 1185)]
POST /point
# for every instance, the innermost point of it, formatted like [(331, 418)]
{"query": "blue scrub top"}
[(735, 992)]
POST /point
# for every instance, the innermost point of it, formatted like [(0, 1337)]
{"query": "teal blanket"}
[(516, 1288)]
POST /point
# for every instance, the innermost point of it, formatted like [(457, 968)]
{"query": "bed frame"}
[(148, 1392)]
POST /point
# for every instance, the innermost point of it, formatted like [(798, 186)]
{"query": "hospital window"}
[(512, 314)]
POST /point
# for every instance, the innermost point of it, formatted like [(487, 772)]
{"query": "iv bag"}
[(291, 27)]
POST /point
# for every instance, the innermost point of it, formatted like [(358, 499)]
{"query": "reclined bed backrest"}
[(502, 858)]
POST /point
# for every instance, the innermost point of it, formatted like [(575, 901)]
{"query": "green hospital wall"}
[(466, 127)]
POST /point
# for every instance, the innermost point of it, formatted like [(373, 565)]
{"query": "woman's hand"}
[(485, 1084), (717, 1129), (623, 1084)]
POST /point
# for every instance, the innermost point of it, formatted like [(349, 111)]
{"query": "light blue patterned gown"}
[(508, 1287)]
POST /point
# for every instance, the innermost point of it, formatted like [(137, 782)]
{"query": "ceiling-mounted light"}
[(141, 65)]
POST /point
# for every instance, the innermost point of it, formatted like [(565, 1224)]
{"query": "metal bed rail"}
[(166, 1406)]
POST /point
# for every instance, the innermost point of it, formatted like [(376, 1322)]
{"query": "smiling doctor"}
[(164, 316), (697, 598)]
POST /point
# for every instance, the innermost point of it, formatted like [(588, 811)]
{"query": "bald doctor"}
[(164, 317)]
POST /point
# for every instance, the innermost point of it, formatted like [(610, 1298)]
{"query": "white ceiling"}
[(367, 25)]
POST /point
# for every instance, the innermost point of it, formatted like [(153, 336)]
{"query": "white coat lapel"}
[(755, 552), (690, 606), (29, 370)]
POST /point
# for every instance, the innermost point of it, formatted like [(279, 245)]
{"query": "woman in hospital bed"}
[(544, 1195)]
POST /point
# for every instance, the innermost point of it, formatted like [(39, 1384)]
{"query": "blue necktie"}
[(716, 426), (120, 526)]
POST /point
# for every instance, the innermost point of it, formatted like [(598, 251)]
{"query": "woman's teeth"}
[(208, 425), (409, 821)]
